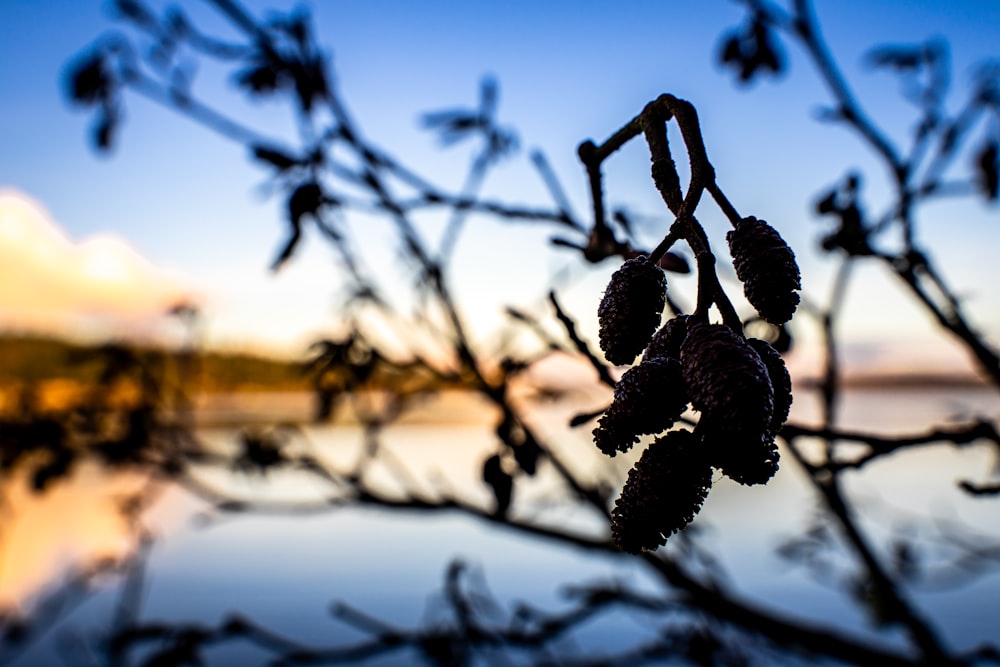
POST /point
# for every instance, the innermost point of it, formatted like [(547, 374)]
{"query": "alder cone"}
[(649, 398), (781, 382), (664, 492), (726, 379), (746, 458), (652, 395), (666, 342), (766, 266), (631, 309)]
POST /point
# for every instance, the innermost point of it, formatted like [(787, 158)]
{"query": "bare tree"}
[(737, 386)]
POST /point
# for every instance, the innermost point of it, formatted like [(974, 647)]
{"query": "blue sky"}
[(191, 202)]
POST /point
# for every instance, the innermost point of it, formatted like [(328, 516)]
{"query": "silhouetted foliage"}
[(735, 381), (751, 50)]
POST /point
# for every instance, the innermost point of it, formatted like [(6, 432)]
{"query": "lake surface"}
[(286, 571)]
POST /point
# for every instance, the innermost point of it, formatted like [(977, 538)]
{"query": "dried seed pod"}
[(766, 266), (631, 309), (666, 342), (781, 382), (649, 398), (664, 491), (745, 458), (727, 381)]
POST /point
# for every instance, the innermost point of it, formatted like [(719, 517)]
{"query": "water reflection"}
[(75, 521), (284, 572)]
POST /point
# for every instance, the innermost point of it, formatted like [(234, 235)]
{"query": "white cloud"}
[(54, 284)]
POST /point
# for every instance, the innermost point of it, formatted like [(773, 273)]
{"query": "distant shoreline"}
[(898, 381)]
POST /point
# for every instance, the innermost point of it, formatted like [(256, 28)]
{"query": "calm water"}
[(286, 572)]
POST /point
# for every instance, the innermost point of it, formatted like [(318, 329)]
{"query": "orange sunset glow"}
[(46, 534)]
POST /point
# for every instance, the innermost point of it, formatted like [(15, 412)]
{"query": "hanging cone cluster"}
[(743, 392), (631, 309), (766, 266), (740, 387)]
